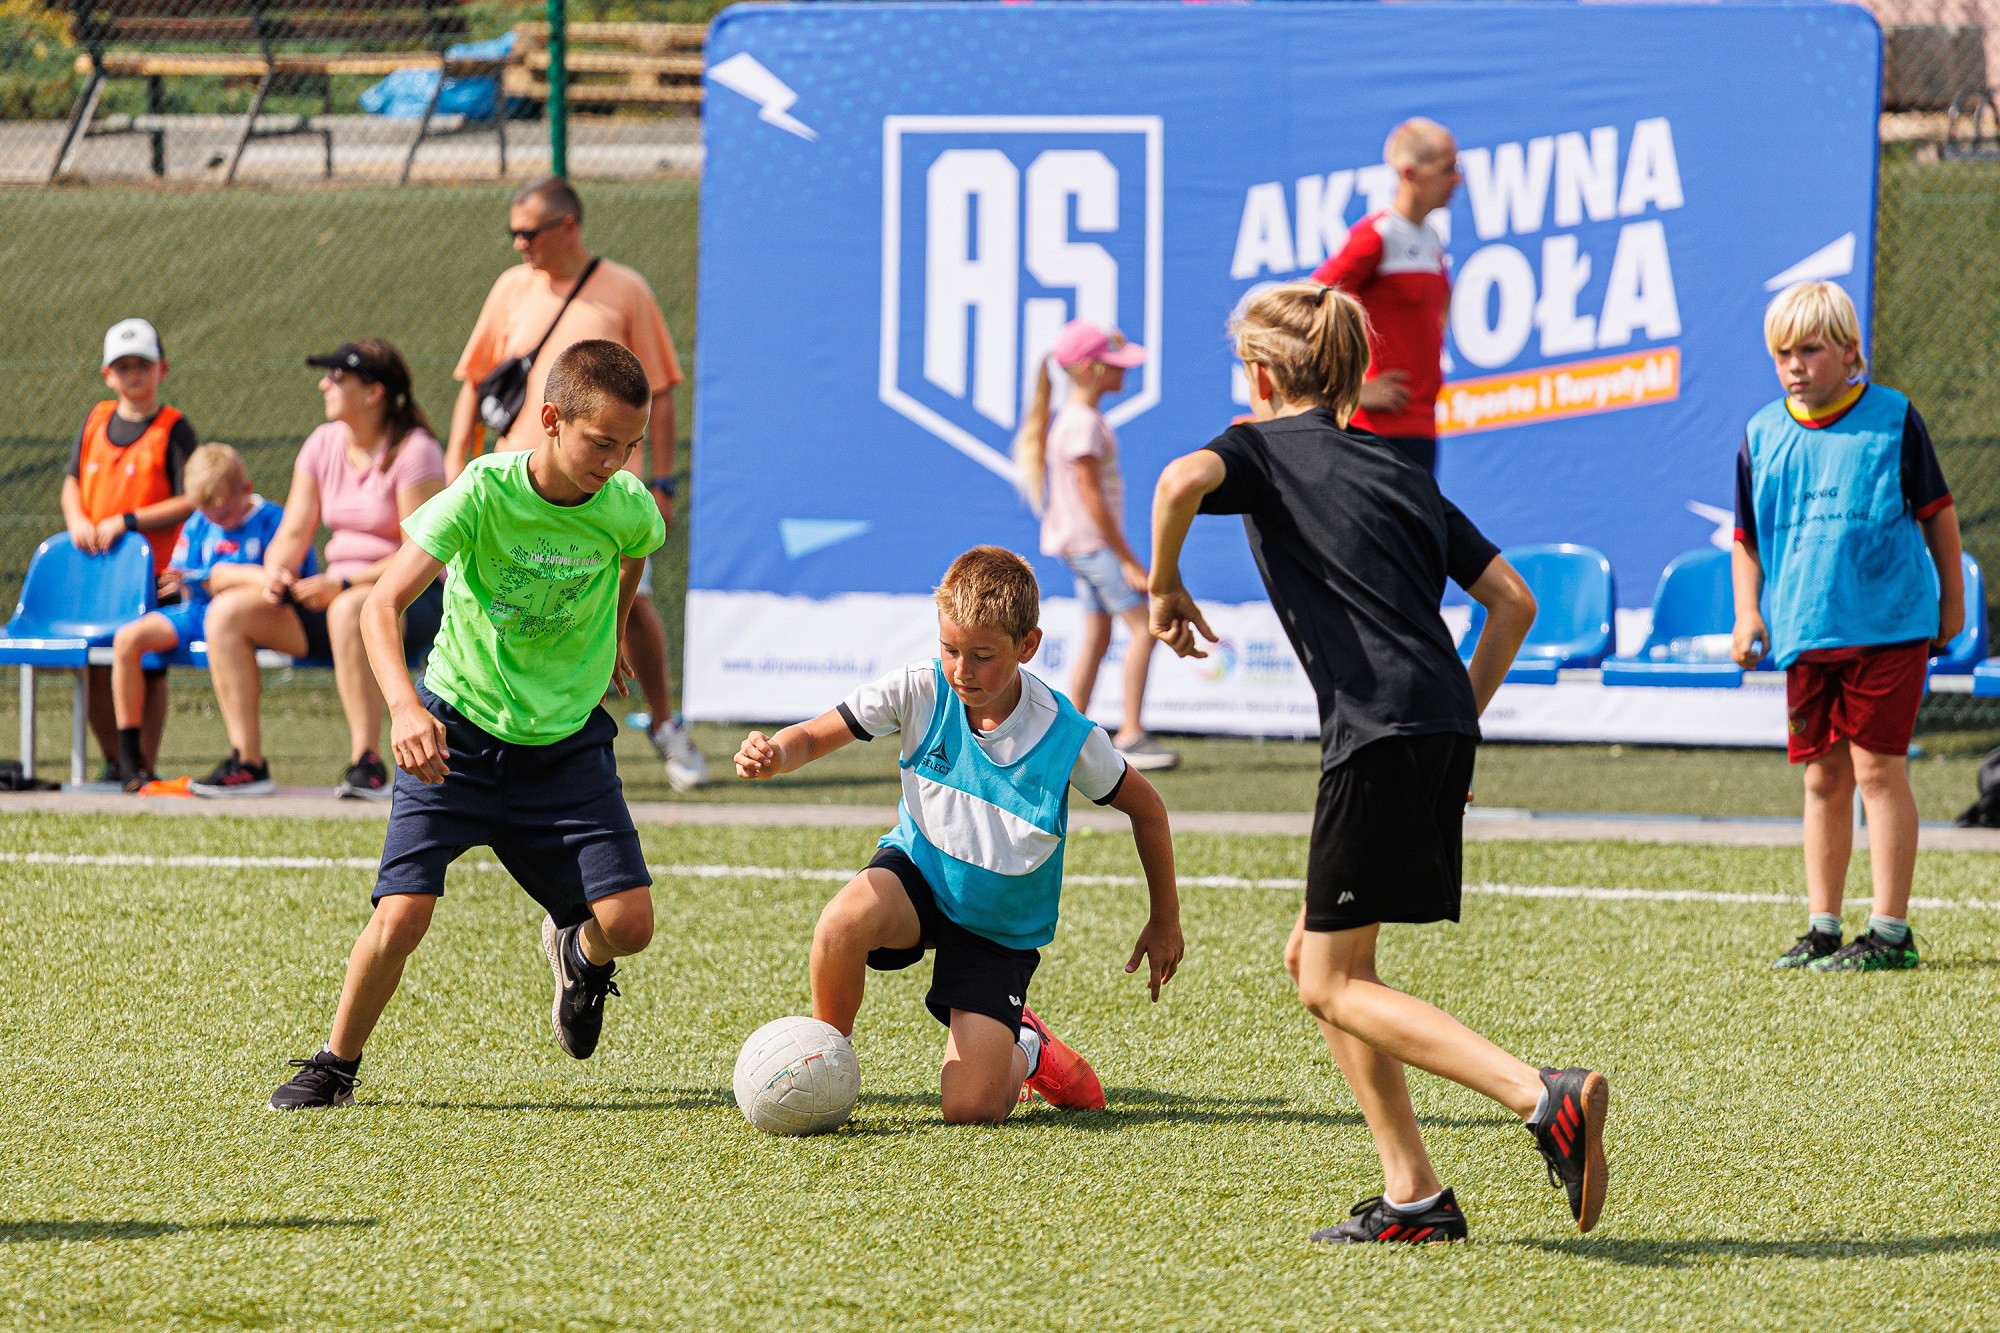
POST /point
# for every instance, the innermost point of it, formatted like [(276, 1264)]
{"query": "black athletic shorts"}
[(971, 972), (554, 815), (420, 625), (1388, 833)]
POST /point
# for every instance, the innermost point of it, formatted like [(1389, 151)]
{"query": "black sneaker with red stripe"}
[(1570, 1135), (1377, 1219)]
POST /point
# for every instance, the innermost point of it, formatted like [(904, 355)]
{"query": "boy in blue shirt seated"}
[(973, 868), (221, 545), (1843, 514)]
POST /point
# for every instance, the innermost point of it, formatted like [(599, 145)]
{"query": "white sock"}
[(1541, 1105), (1415, 1206), (1030, 1042)]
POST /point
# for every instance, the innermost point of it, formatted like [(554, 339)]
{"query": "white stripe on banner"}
[(821, 875)]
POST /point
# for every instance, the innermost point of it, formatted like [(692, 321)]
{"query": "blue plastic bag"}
[(405, 92)]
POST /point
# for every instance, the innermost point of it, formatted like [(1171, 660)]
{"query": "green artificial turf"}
[(1787, 1151)]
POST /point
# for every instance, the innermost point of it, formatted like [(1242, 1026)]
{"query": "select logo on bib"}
[(997, 231)]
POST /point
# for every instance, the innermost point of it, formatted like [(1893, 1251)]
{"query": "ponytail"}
[(1031, 443), (1313, 340)]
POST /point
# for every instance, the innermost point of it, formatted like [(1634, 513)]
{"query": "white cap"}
[(132, 337)]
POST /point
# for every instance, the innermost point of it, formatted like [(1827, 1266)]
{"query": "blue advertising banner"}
[(903, 203)]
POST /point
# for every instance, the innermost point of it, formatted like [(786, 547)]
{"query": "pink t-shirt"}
[(1067, 527), (359, 504)]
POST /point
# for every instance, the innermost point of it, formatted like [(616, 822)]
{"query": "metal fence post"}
[(558, 88)]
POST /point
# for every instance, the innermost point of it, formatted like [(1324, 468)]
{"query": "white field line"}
[(821, 875)]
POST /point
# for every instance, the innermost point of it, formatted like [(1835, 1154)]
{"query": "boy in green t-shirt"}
[(504, 743)]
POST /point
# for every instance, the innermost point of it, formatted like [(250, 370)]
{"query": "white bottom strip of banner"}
[(817, 874)]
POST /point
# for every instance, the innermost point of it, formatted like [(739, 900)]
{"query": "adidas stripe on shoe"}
[(1377, 1220), (1570, 1137)]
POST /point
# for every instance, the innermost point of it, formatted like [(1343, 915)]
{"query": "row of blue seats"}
[(72, 603), (1693, 607)]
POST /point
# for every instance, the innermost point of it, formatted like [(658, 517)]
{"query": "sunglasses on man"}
[(523, 235)]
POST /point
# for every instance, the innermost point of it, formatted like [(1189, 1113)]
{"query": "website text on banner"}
[(922, 195)]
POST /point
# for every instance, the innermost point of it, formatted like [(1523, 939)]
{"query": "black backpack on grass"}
[(1985, 812)]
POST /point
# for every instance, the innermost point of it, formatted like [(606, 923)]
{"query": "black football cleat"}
[(1570, 1136), (324, 1080), (1374, 1220), (578, 1012)]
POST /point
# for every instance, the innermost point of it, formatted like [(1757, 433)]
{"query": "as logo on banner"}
[(996, 231)]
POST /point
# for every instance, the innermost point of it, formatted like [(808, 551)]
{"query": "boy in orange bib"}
[(125, 476)]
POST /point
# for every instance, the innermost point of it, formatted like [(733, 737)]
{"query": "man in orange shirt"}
[(125, 476), (527, 306)]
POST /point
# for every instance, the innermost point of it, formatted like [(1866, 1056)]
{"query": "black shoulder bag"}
[(505, 387)]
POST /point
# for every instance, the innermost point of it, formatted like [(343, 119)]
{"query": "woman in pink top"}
[(361, 474), (1069, 472)]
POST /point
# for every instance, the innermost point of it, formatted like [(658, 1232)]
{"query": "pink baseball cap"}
[(1081, 341)]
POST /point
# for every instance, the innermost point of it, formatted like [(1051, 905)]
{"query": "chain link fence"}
[(230, 169)]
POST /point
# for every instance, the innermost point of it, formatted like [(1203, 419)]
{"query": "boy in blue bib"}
[(973, 868), (1846, 529)]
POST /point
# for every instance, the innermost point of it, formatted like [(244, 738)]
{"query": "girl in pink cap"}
[(1068, 470)]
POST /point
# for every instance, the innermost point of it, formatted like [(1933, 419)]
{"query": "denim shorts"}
[(1101, 585)]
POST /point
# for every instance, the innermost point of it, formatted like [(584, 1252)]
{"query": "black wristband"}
[(131, 521), (667, 486)]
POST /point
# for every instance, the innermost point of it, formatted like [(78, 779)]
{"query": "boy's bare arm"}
[(1510, 614), (82, 532), (1160, 943), (794, 747), (1941, 535), (1751, 638), (416, 737)]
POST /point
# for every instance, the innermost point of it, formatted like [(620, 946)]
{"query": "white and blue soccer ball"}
[(797, 1076)]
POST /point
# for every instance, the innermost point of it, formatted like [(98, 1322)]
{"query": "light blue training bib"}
[(1844, 558), (989, 837)]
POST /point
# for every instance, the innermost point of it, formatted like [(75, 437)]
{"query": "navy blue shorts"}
[(554, 815)]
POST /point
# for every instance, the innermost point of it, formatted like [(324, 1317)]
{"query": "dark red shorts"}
[(1868, 696)]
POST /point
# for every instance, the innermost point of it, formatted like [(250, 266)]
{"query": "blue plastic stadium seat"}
[(1695, 600), (1986, 679), (72, 602), (1574, 596), (1625, 671), (1965, 652)]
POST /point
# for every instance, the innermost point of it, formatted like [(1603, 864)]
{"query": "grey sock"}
[(1826, 922), (1894, 929)]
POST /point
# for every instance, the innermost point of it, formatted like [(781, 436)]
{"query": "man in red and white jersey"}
[(1394, 265)]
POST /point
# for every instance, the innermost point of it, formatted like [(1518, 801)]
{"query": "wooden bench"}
[(280, 45), (611, 65)]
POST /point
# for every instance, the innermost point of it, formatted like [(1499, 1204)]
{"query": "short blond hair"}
[(214, 472), (1814, 310), (1313, 340), (989, 587), (1415, 142)]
